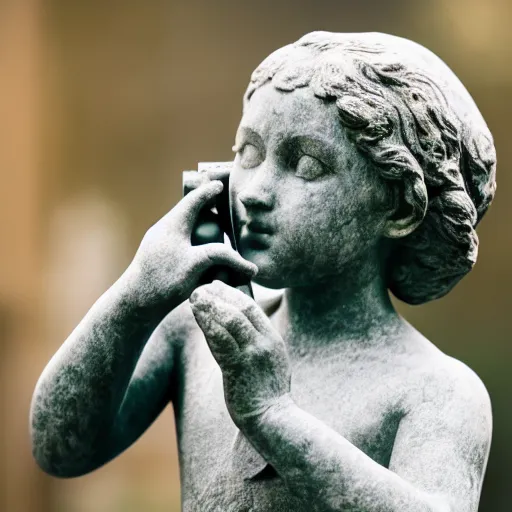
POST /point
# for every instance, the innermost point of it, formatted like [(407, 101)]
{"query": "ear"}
[(400, 227), (407, 211)]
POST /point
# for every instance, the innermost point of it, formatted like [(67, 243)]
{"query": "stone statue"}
[(362, 165)]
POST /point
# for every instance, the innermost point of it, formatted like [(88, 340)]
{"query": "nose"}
[(258, 189)]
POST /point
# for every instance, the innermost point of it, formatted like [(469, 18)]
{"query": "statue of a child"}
[(362, 165)]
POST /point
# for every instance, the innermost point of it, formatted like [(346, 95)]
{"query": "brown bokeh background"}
[(103, 104)]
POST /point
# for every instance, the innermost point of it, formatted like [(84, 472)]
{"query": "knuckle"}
[(252, 351), (215, 253), (202, 193), (260, 350), (249, 308), (203, 253), (194, 197), (266, 350), (233, 322), (210, 255), (195, 259)]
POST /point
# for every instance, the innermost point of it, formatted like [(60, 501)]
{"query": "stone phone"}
[(215, 222)]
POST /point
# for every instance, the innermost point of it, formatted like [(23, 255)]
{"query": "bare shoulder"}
[(446, 429), (462, 393), (463, 379), (442, 383)]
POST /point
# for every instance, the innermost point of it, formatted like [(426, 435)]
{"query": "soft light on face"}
[(306, 201)]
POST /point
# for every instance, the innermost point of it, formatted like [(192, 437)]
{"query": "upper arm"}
[(150, 387), (443, 442)]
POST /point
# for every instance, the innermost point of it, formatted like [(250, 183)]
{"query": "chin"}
[(269, 274), (276, 277), (276, 272), (273, 284)]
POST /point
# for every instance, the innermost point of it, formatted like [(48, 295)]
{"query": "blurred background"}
[(103, 104)]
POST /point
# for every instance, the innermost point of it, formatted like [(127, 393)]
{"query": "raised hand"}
[(251, 353), (167, 267)]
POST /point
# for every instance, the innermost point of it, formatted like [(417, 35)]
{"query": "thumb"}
[(222, 254)]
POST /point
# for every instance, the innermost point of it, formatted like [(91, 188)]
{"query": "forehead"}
[(271, 112)]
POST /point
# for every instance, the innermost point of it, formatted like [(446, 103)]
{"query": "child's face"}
[(306, 202)]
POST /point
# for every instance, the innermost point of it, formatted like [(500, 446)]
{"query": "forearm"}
[(325, 469), (81, 389)]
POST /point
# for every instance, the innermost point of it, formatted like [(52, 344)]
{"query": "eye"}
[(309, 168), (249, 156)]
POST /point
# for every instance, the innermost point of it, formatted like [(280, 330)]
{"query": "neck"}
[(351, 306)]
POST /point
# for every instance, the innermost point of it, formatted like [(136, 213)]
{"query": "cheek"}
[(310, 223), (329, 226)]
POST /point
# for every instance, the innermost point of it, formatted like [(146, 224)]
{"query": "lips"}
[(257, 226), (256, 234)]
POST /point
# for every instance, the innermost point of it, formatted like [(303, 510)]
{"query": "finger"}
[(229, 317), (245, 304), (189, 207), (221, 254), (193, 179), (223, 346)]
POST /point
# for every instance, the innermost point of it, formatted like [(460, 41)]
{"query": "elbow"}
[(47, 457), (49, 464), (60, 471), (56, 451), (57, 463), (53, 458)]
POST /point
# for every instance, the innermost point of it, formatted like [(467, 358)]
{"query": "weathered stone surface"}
[(362, 166)]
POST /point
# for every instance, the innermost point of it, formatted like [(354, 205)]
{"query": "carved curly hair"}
[(408, 113)]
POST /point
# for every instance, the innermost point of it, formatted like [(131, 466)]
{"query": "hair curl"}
[(407, 112)]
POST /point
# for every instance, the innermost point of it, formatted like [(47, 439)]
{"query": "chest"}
[(355, 397)]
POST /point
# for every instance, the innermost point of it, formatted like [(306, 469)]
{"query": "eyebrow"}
[(316, 139), (315, 145), (247, 133)]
